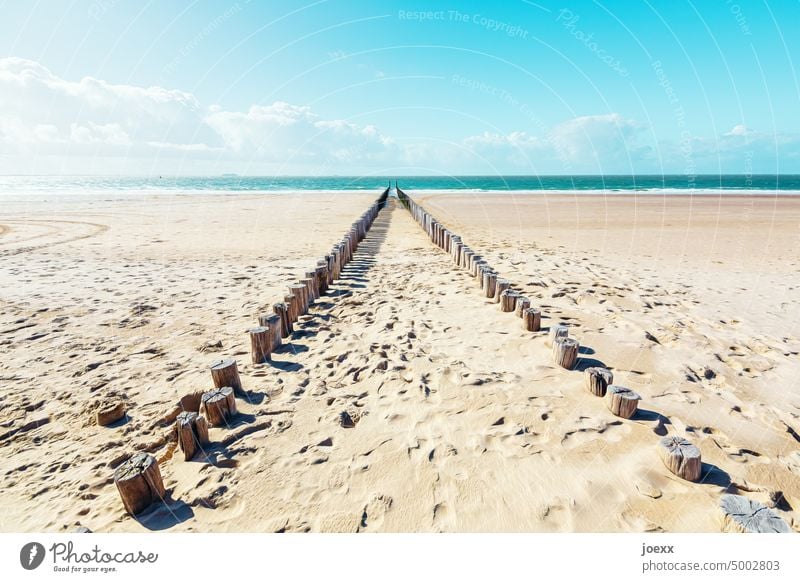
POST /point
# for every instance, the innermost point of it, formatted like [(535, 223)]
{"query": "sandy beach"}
[(461, 422)]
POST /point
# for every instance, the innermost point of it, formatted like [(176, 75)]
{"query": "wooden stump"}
[(313, 285), (290, 301), (139, 482), (282, 311), (310, 293), (225, 373), (218, 405), (565, 352), (110, 412), (597, 380), (532, 319), (500, 286), (466, 258), (489, 283), (557, 331), (743, 515), (508, 300), (475, 261), (522, 304), (680, 456), (192, 433), (260, 344), (322, 277), (622, 401), (273, 322), (299, 292)]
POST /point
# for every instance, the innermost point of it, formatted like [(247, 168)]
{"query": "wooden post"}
[(557, 331), (508, 300), (522, 304), (225, 373), (489, 283), (282, 311), (597, 380), (466, 258), (680, 456), (260, 344), (273, 322), (218, 405), (532, 319), (311, 284), (291, 310), (743, 515), (322, 277), (622, 401), (139, 482), (192, 432), (110, 412), (474, 268), (307, 293), (337, 263), (565, 352), (500, 286), (299, 292), (328, 270)]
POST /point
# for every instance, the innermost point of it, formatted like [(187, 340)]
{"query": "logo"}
[(31, 555)]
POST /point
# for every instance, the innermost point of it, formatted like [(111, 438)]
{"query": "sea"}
[(730, 183)]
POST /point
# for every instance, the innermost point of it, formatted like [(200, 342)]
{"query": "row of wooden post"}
[(492, 286), (272, 328), (138, 479), (678, 454)]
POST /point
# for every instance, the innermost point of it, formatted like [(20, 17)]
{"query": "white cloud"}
[(44, 117), (739, 130)]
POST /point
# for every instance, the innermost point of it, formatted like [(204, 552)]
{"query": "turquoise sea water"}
[(764, 183)]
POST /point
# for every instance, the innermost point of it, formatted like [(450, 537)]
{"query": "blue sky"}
[(346, 87)]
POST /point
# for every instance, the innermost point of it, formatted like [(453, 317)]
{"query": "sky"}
[(345, 87)]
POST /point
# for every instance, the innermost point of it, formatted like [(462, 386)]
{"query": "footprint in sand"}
[(374, 512)]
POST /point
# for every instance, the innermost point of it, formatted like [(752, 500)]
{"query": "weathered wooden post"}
[(743, 515), (336, 268), (557, 331), (500, 286), (565, 352), (226, 373), (139, 482), (299, 292), (522, 304), (192, 432), (598, 380), (622, 401), (322, 278), (291, 310), (328, 270), (273, 322), (311, 284), (489, 283), (282, 311), (466, 257), (475, 266), (681, 457), (532, 319), (260, 344), (218, 405), (508, 300)]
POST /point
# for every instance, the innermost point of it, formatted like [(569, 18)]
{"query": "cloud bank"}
[(53, 125)]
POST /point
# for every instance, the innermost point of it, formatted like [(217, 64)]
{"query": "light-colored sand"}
[(468, 428)]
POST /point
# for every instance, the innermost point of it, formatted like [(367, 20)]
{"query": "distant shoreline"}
[(711, 185)]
